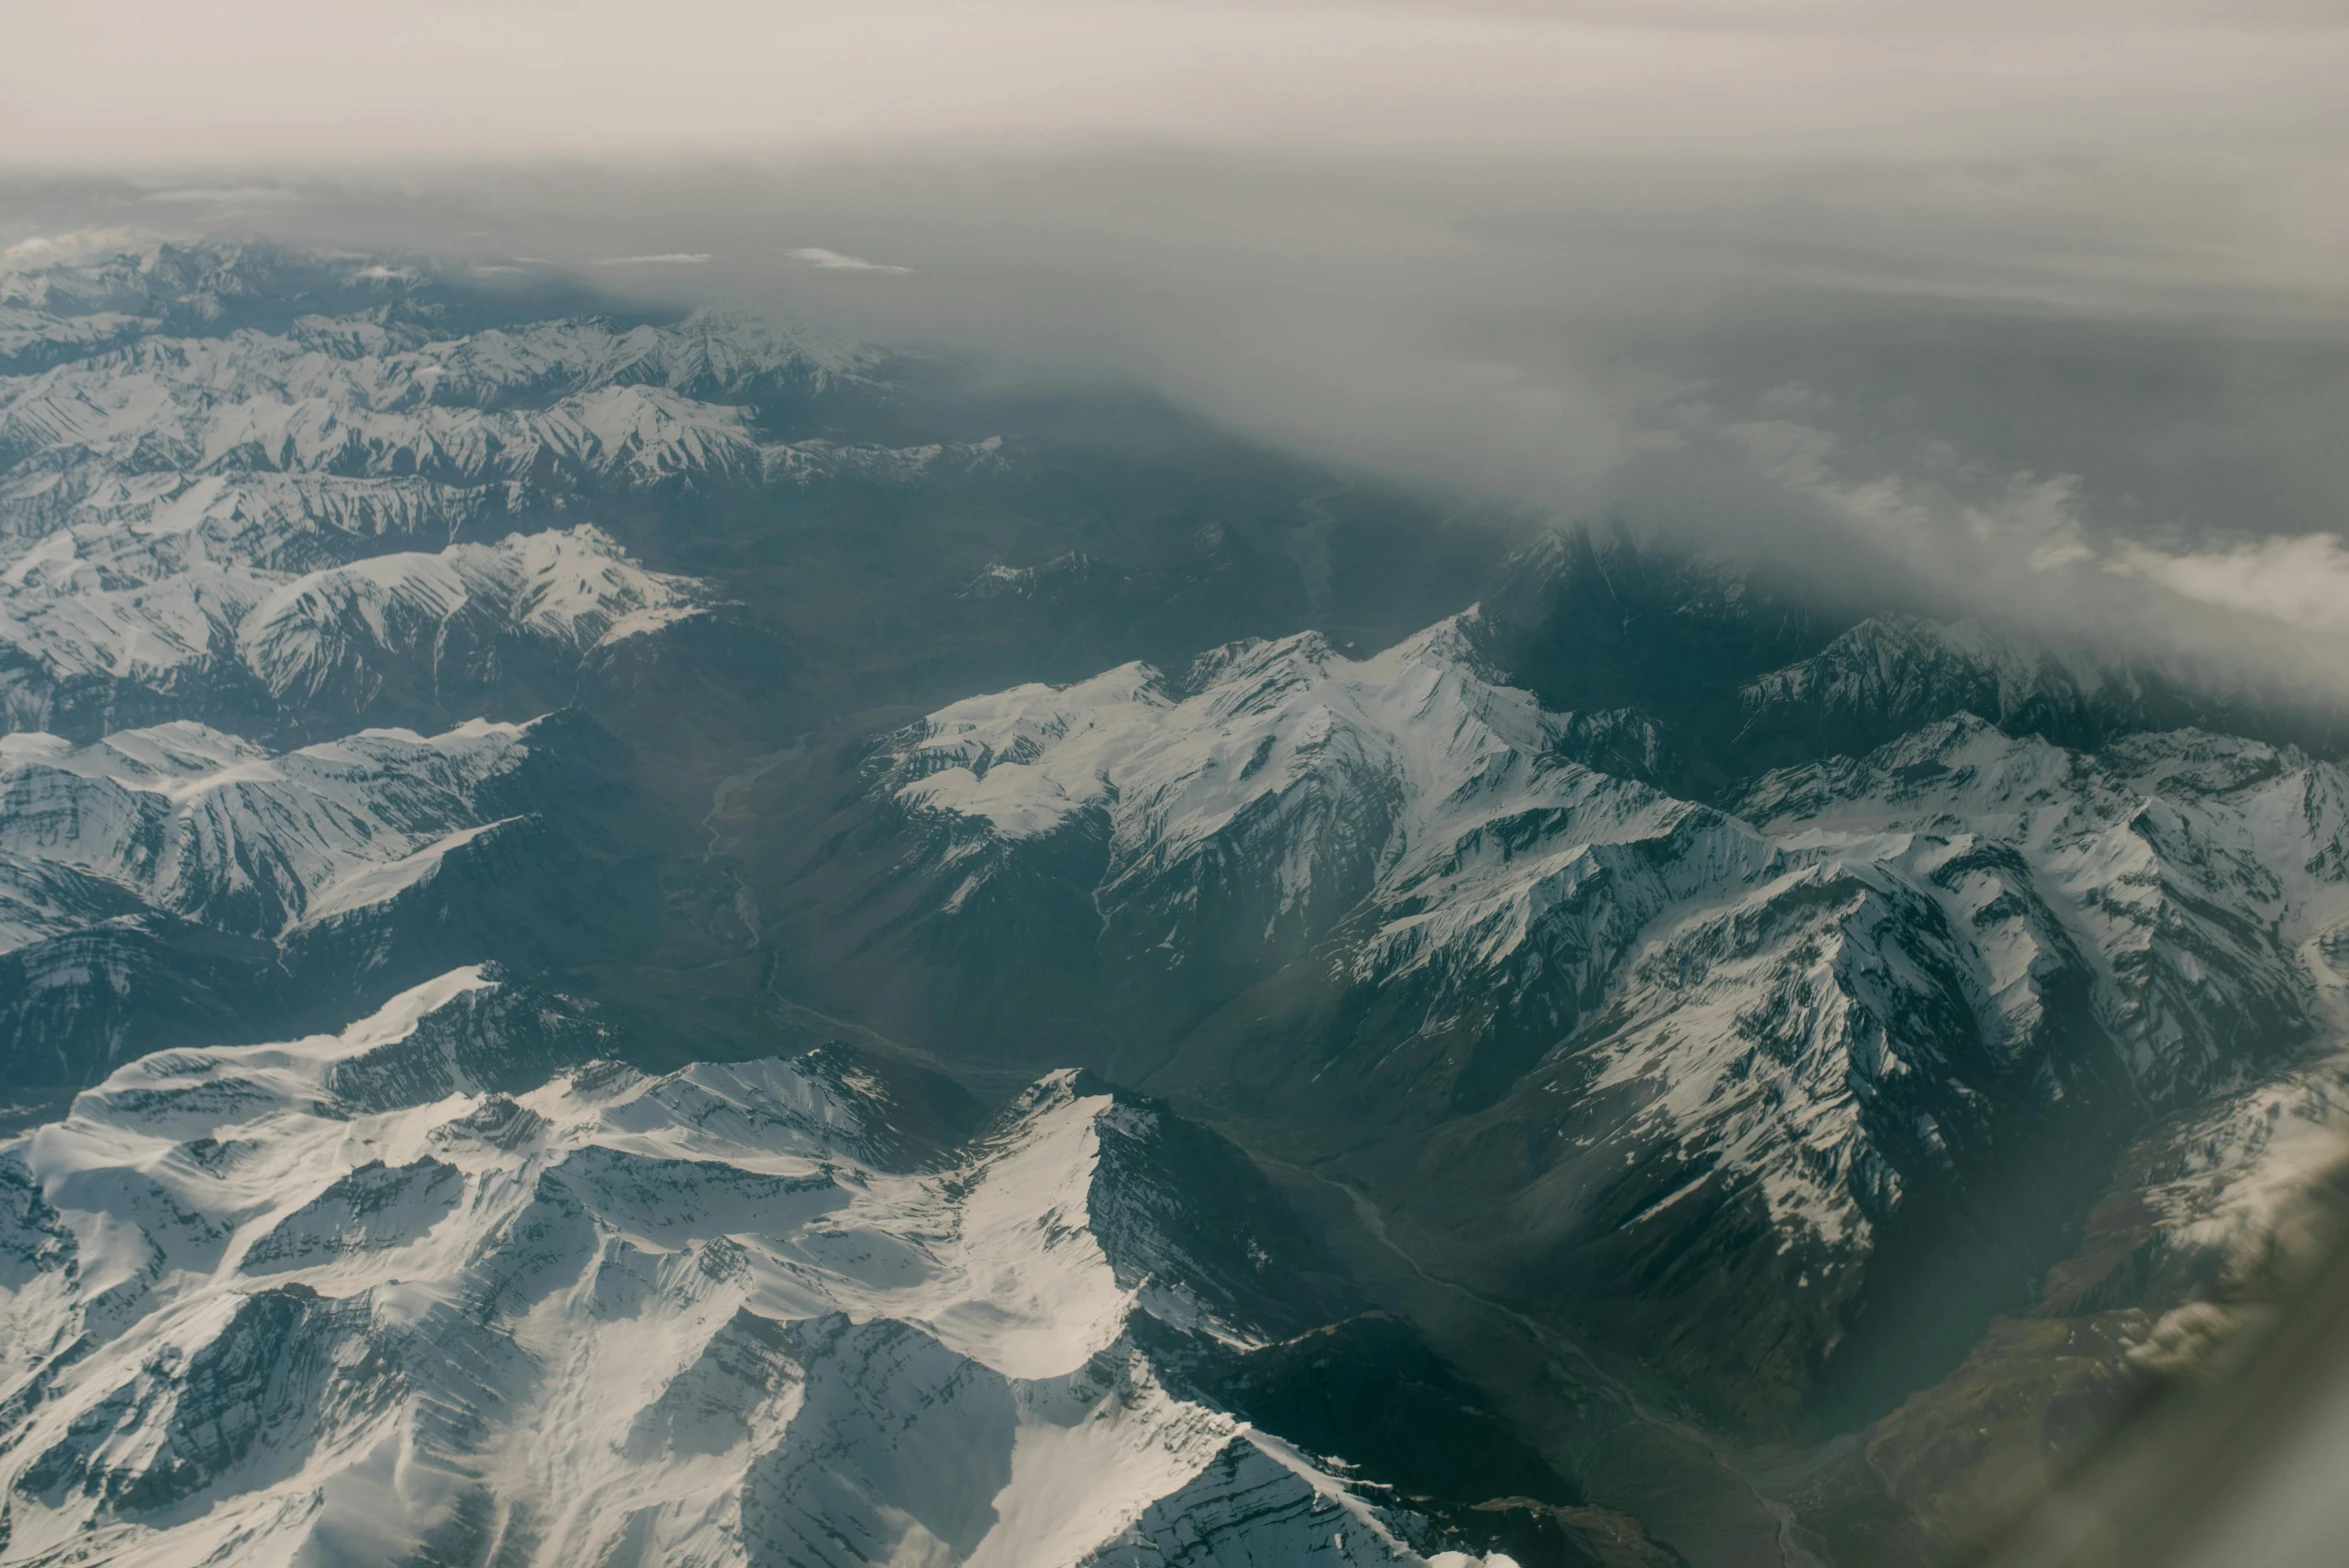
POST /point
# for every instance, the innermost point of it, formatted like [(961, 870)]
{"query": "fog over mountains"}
[(634, 935)]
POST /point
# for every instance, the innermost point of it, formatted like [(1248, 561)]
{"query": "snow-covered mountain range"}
[(1574, 1022), (439, 631), (233, 533), (446, 1286), (176, 884), (1760, 1020), (212, 828), (256, 520)]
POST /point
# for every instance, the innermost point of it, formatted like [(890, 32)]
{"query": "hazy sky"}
[(2047, 301), (116, 82)]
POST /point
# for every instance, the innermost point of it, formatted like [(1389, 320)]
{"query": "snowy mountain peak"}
[(1254, 723)]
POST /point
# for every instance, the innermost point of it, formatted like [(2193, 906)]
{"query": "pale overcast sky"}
[(154, 82)]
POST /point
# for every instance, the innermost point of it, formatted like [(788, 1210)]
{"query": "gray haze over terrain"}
[(2026, 309)]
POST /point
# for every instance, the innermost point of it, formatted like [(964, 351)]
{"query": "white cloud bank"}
[(45, 250), (2300, 582)]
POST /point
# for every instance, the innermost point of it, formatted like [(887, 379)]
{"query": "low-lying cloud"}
[(836, 261), (666, 258), (222, 196), (2300, 582)]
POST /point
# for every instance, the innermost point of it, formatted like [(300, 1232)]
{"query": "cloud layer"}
[(835, 261), (2299, 582)]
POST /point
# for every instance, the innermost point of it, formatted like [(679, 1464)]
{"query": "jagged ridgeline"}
[(634, 937)]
